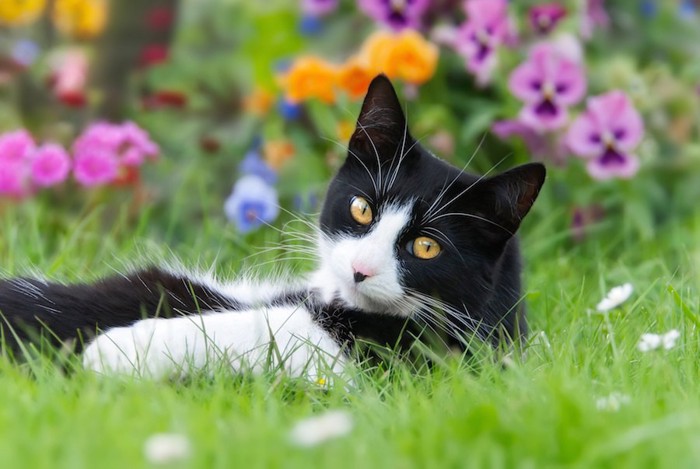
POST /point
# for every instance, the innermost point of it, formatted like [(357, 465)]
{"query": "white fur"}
[(375, 252), (284, 337)]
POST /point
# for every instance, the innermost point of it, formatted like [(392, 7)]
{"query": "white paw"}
[(122, 350)]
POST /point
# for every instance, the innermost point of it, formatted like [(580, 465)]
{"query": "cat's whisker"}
[(354, 155), (376, 154), (471, 215)]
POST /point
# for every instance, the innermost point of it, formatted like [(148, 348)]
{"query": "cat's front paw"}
[(121, 350)]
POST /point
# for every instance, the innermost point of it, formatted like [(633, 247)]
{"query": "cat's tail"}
[(34, 311)]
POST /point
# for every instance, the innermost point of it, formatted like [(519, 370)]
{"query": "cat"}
[(410, 247)]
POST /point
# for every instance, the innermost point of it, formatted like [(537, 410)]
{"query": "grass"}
[(538, 412)]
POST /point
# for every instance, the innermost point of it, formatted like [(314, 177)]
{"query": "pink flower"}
[(487, 27), (13, 179), (95, 168), (16, 146), (540, 146), (69, 71), (605, 134), (396, 14), (544, 17), (548, 82), (50, 165), (317, 8), (594, 16)]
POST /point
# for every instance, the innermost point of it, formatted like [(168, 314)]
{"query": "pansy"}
[(594, 16), (606, 134), (253, 164), (548, 82), (406, 55), (50, 165), (615, 298), (354, 77), (396, 14), (310, 77), (486, 28), (252, 203), (544, 18)]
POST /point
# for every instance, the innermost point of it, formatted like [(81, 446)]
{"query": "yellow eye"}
[(424, 248), (361, 211)]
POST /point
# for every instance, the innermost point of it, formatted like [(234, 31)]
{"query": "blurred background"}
[(181, 113)]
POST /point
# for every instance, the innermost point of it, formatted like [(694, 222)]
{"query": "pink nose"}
[(361, 272)]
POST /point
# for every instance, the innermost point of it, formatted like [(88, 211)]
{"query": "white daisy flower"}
[(319, 429), (613, 402), (649, 341), (167, 448), (615, 298)]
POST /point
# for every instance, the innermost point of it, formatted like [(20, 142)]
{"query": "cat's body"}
[(409, 247)]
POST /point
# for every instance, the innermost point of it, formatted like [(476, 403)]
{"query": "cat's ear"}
[(505, 199), (381, 125)]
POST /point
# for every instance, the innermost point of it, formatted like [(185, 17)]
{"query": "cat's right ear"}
[(381, 126)]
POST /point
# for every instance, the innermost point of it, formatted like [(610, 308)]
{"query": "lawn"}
[(552, 408)]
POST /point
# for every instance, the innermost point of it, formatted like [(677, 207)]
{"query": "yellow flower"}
[(354, 77), (258, 102), (406, 55), (344, 129), (278, 152), (20, 12), (83, 19), (310, 77)]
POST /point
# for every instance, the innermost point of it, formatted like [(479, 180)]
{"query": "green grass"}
[(538, 412)]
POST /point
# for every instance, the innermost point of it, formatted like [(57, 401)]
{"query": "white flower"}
[(649, 342), (165, 448), (613, 402), (615, 298), (316, 430)]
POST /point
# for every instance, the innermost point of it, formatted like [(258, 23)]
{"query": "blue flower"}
[(25, 52), (252, 203), (290, 111), (310, 25), (254, 165)]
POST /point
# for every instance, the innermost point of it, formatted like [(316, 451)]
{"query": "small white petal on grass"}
[(316, 430), (649, 341), (613, 402), (615, 298), (166, 448)]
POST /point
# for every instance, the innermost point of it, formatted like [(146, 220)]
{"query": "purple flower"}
[(605, 134), (397, 14), (544, 18), (13, 179), (288, 110), (540, 146), (547, 82), (253, 164), (16, 146), (318, 8), (487, 27), (50, 165), (252, 203), (594, 16)]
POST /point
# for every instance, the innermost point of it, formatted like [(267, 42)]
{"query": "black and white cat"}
[(409, 246)]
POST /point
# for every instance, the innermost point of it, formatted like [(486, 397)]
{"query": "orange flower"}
[(354, 78), (258, 102), (310, 77), (278, 152), (406, 55)]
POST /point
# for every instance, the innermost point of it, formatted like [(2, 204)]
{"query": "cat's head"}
[(401, 226)]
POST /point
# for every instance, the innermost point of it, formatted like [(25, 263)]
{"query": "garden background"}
[(205, 131)]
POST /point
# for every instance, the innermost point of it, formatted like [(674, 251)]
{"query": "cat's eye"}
[(424, 247), (361, 211)]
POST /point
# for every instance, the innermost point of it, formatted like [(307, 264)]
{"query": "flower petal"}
[(584, 137), (612, 164)]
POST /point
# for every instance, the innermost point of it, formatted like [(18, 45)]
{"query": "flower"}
[(594, 16), (547, 82), (160, 18), (354, 77), (278, 152), (544, 17), (105, 149), (69, 72), (13, 179), (406, 56), (153, 54), (615, 298), (83, 19), (309, 77), (486, 28), (50, 165), (310, 25), (613, 402), (167, 448), (319, 429), (605, 134), (259, 101), (253, 164), (649, 342), (397, 14), (582, 218), (288, 110), (165, 99), (318, 7), (25, 52), (20, 12), (252, 203), (16, 147)]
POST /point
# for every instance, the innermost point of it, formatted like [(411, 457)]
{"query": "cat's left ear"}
[(505, 199), (381, 125)]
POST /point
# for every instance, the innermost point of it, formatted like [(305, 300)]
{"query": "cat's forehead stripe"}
[(392, 221)]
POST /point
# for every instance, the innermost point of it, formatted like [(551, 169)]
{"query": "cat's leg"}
[(257, 339)]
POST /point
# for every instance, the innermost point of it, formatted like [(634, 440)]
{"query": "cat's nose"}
[(361, 272)]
